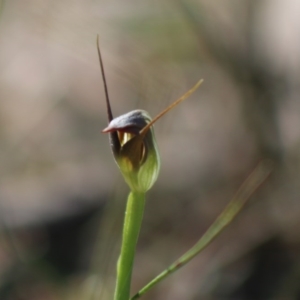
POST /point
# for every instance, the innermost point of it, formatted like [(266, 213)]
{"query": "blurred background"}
[(61, 195)]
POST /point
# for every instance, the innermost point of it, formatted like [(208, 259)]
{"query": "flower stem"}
[(132, 224)]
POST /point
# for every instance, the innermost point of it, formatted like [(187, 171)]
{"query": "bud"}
[(136, 152)]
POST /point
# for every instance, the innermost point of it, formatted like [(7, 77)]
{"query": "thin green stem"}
[(132, 224), (251, 184)]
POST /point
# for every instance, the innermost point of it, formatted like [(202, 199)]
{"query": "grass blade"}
[(250, 185)]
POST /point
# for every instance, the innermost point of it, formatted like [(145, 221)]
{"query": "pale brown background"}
[(56, 164)]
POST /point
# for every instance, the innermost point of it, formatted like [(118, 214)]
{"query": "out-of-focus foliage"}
[(56, 168)]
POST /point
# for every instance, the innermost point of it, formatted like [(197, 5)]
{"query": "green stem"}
[(132, 224)]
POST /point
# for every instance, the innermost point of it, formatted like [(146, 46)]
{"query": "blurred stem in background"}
[(2, 2), (260, 86)]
